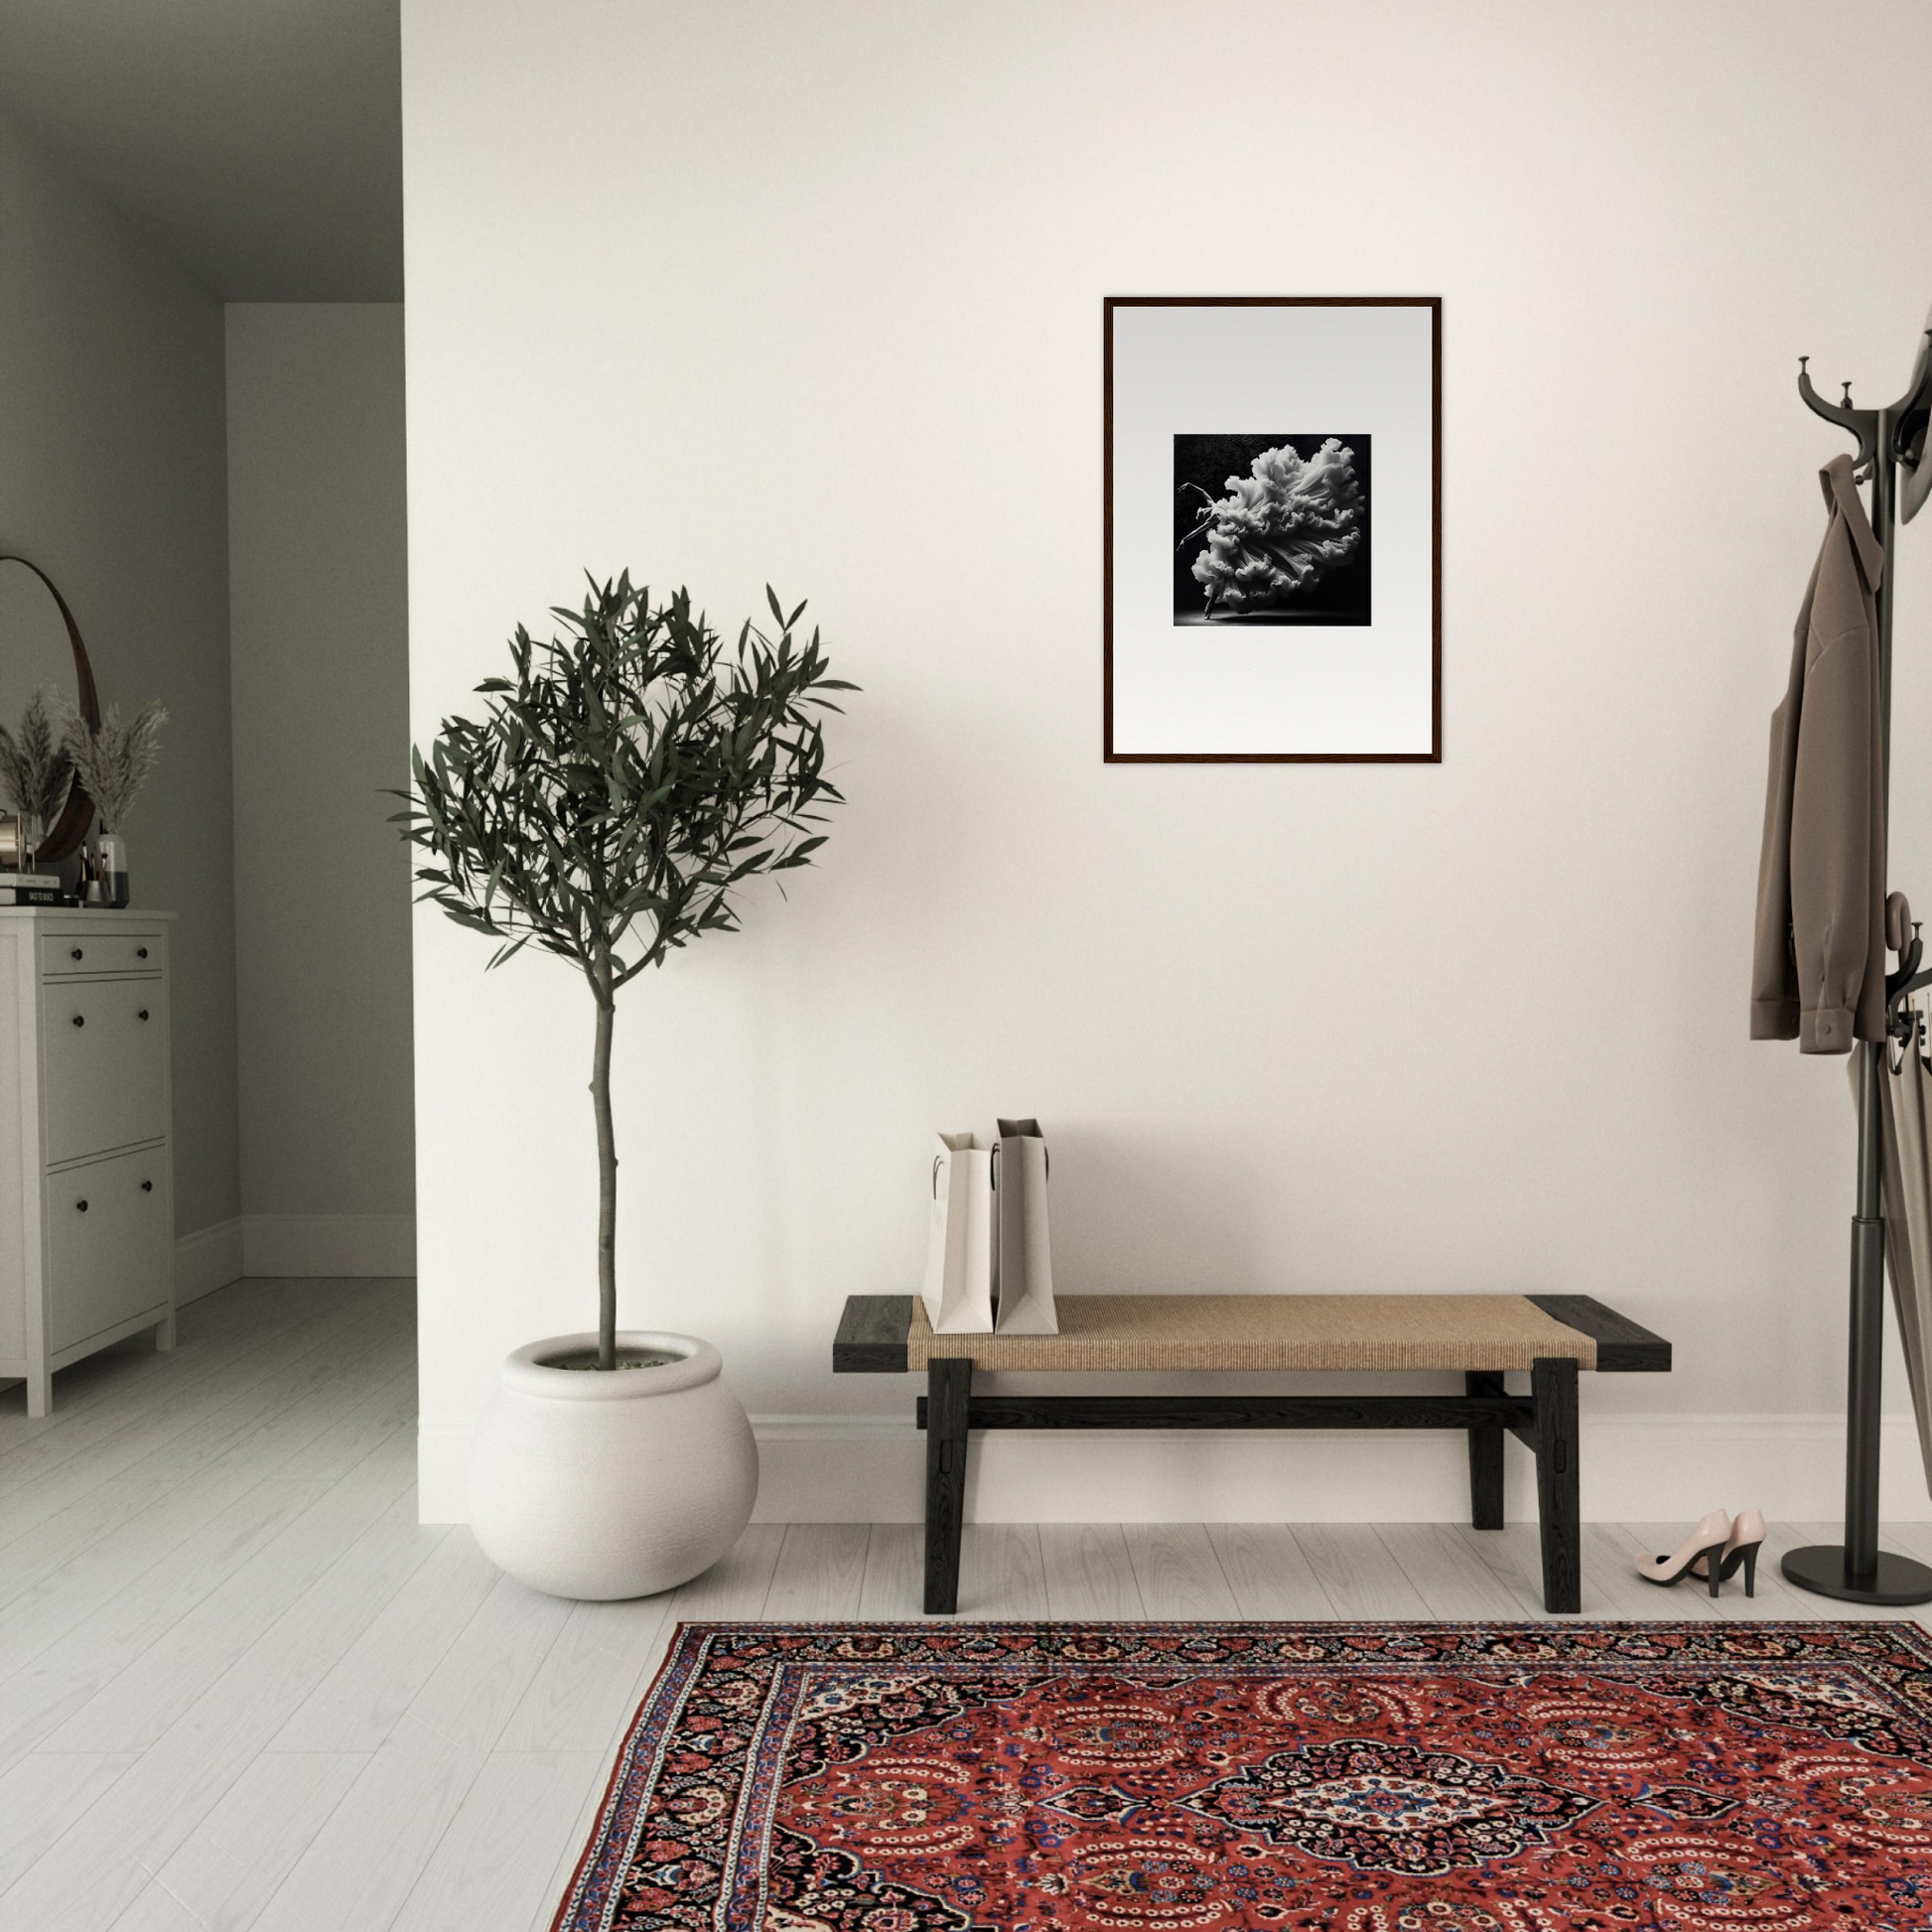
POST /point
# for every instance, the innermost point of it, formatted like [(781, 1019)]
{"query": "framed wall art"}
[(1273, 529)]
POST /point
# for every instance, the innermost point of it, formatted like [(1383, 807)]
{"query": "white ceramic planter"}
[(621, 1484)]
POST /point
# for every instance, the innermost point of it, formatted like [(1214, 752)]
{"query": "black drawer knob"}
[(79, 1020), (82, 1205), (140, 952), (74, 954), (143, 1014), (146, 1187)]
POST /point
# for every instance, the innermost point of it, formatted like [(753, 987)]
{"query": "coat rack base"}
[(1821, 1569)]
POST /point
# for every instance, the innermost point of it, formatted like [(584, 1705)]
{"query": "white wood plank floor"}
[(242, 1687)]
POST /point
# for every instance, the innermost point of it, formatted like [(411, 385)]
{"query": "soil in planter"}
[(587, 1359)]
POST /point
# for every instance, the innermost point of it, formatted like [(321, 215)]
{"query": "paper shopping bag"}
[(959, 1256), (1022, 1280)]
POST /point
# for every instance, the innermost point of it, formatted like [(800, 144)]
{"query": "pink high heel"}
[(1703, 1543), (1740, 1546)]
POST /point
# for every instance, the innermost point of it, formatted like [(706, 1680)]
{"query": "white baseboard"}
[(443, 1471), (329, 1244), (293, 1245), (207, 1259), (1636, 1468)]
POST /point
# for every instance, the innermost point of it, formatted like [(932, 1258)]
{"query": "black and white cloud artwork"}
[(1271, 529)]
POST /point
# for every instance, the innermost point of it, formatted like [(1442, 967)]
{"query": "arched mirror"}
[(41, 648)]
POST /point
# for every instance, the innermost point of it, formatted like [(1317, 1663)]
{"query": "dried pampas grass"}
[(36, 768), (116, 759)]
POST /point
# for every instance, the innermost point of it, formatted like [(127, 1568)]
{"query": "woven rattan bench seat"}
[(1389, 1332)]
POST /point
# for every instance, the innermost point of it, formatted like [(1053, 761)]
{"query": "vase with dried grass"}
[(114, 760)]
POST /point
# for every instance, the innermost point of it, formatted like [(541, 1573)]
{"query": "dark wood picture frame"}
[(1433, 302)]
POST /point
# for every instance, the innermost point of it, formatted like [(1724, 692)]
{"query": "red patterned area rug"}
[(1199, 1777)]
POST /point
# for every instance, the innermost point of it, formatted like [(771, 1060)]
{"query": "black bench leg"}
[(949, 1383), (1485, 1459), (1553, 1388)]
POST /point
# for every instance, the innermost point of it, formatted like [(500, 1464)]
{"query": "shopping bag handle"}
[(1048, 1151)]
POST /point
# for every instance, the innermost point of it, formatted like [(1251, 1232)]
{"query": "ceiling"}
[(259, 140)]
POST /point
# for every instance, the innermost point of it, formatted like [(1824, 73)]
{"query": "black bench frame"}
[(871, 1339)]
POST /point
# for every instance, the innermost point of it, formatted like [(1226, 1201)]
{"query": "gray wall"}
[(112, 478), (320, 619)]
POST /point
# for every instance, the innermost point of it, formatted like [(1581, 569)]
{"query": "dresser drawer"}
[(63, 954), (108, 1243), (104, 1046)]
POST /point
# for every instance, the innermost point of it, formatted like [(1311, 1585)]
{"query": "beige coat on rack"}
[(1817, 967)]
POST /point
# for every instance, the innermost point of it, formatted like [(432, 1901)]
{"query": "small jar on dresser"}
[(87, 1189)]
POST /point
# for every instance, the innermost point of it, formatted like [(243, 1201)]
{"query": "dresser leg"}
[(164, 1334), (949, 1385), (40, 1391)]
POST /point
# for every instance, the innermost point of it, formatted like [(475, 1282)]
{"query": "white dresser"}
[(86, 1193)]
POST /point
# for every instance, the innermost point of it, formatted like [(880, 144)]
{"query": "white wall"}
[(824, 309), (319, 615), (113, 479)]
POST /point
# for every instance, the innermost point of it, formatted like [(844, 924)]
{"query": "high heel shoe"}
[(1740, 1546), (1704, 1544)]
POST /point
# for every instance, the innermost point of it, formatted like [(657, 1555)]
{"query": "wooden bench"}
[(1551, 1337)]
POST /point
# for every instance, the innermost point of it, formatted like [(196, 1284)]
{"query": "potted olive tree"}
[(622, 785)]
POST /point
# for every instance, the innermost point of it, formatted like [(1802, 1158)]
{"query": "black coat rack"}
[(1857, 1570)]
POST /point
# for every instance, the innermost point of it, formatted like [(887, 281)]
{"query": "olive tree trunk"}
[(606, 1169)]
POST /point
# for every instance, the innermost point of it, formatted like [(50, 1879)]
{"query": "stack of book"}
[(30, 889)]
